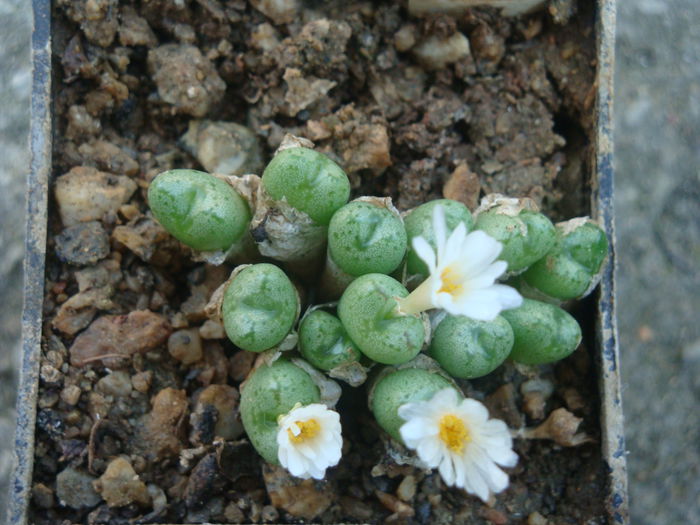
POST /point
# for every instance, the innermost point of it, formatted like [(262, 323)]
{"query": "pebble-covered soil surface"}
[(138, 387), (647, 464)]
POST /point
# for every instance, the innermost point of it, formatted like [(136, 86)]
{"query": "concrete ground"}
[(658, 231)]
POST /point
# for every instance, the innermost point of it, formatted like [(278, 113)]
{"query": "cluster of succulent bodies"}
[(409, 304)]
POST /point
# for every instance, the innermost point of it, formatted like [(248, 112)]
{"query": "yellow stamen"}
[(307, 430), (454, 433), (450, 282)]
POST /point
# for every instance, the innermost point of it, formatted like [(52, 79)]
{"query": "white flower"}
[(309, 440), (457, 437), (462, 275)]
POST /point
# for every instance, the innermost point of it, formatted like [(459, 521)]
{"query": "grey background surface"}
[(657, 139)]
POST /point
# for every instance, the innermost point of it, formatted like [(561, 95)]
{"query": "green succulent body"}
[(271, 391), (419, 223), (260, 307), (324, 343), (467, 348), (367, 311), (198, 209), (366, 238), (409, 385), (309, 181), (526, 237), (543, 332), (575, 260)]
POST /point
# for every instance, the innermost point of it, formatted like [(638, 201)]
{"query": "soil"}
[(138, 395)]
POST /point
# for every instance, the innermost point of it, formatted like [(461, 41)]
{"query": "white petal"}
[(425, 252), (476, 412), (509, 296), (430, 451), (479, 250), (488, 276), (477, 485), (502, 456), (447, 470), (411, 410), (440, 230), (453, 246), (414, 429), (446, 399)]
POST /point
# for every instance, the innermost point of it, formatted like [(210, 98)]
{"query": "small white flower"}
[(463, 274), (309, 440), (458, 438)]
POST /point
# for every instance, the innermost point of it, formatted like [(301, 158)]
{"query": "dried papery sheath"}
[(301, 189), (365, 236), (526, 234)]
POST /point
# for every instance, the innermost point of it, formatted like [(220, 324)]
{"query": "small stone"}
[(147, 239), (211, 330), (279, 11), (71, 395), (463, 186), (109, 157), (264, 37), (269, 514), (185, 78), (494, 516), (74, 489), (116, 384), (120, 485), (134, 30), (42, 496), (304, 90), (224, 147), (113, 339), (301, 498), (161, 430), (204, 475), (224, 399), (535, 393), (233, 513), (436, 52), (395, 505), (185, 346), (86, 194), (537, 519), (77, 312), (501, 405), (405, 38), (142, 381), (407, 488), (241, 365), (82, 244), (81, 124)]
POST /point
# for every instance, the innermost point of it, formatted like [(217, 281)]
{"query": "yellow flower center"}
[(454, 433), (307, 430), (451, 283)]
